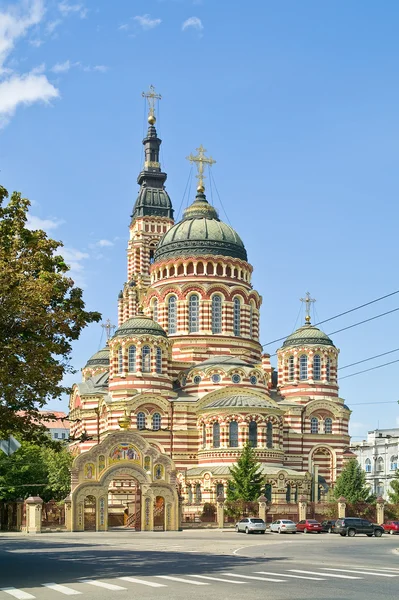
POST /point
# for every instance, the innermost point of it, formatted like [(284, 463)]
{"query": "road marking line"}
[(17, 593), (218, 579), (102, 584), (63, 589), (286, 575), (149, 583), (181, 580), (253, 577), (362, 572), (324, 574)]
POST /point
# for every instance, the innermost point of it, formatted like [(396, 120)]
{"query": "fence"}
[(53, 515)]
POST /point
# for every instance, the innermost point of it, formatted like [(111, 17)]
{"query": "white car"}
[(251, 525), (283, 526)]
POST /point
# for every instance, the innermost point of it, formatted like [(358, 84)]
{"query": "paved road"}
[(226, 565)]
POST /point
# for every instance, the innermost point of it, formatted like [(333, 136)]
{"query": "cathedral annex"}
[(165, 408)]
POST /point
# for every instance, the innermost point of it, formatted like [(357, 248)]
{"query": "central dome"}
[(308, 334), (140, 325), (199, 233)]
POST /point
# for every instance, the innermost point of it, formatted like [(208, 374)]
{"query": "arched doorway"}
[(124, 502), (89, 513), (159, 513)]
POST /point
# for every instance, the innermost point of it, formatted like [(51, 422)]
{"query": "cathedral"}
[(166, 406)]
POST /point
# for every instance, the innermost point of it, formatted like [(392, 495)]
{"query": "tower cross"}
[(151, 96), (308, 302), (108, 328), (201, 160)]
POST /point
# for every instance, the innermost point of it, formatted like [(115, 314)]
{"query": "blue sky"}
[(296, 101)]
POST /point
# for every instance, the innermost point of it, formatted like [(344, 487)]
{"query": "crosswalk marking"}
[(286, 575), (17, 593), (102, 584), (218, 579), (181, 579), (254, 577), (324, 574), (63, 589), (362, 572), (136, 580)]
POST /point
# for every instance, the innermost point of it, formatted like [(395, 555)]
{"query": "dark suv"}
[(352, 525)]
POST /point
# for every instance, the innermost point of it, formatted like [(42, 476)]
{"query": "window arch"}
[(216, 435), (328, 425), (140, 420), (303, 367), (172, 314), (314, 425), (253, 434), (328, 368), (132, 359), (156, 421), (237, 317), (146, 359), (233, 434), (316, 367), (198, 493), (368, 465), (269, 435), (394, 463), (216, 314), (158, 360), (380, 464), (193, 313), (155, 310), (219, 489), (291, 369), (120, 360)]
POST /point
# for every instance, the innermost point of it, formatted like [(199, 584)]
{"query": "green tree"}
[(393, 492), (352, 484), (41, 314), (57, 463), (247, 479)]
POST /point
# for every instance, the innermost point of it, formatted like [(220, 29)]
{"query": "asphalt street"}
[(128, 565)]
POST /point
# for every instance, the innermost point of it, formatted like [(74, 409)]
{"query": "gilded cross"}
[(201, 160), (109, 328), (308, 302), (151, 96)]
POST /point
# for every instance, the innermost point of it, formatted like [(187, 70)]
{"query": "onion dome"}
[(99, 359), (140, 325), (199, 233), (308, 335)]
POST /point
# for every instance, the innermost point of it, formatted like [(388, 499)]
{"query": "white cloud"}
[(98, 68), (47, 225), (123, 27), (146, 22), (193, 22), (52, 26), (67, 65), (73, 259), (36, 43), (62, 67), (15, 22), (104, 243), (66, 9)]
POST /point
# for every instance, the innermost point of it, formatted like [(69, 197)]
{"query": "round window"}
[(236, 378), (216, 378), (253, 380), (197, 379)]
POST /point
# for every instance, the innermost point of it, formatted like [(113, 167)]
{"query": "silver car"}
[(283, 526), (251, 525)]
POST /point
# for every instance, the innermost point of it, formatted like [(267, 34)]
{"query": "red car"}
[(309, 525), (391, 527)]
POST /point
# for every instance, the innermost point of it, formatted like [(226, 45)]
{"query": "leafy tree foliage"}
[(41, 314), (352, 484), (393, 492), (247, 479)]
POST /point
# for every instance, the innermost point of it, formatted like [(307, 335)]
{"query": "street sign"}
[(9, 446)]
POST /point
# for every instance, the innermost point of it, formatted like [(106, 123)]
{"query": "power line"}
[(365, 321), (364, 403), (366, 359), (370, 369)]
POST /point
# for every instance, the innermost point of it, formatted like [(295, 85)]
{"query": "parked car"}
[(283, 526), (391, 527), (328, 526), (308, 526), (251, 525), (351, 526)]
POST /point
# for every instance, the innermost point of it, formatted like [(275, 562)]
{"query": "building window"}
[(237, 317), (216, 314), (198, 494), (268, 492), (233, 434), (189, 494), (146, 359), (380, 464), (172, 314), (120, 360), (216, 435), (328, 425), (156, 421), (203, 436), (158, 361), (394, 463), (219, 489), (269, 435), (316, 367), (56, 436), (253, 434), (193, 314), (328, 368), (291, 369), (236, 378), (155, 310), (368, 465), (197, 380), (303, 367), (132, 359), (314, 425), (63, 436), (216, 378), (380, 488), (140, 420), (251, 320)]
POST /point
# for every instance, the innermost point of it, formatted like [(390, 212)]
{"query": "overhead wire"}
[(367, 359), (370, 369)]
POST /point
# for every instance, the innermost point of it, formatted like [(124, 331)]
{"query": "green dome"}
[(99, 359), (200, 232), (140, 325), (308, 335)]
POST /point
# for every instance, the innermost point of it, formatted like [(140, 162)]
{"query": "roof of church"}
[(308, 334), (99, 359), (240, 401), (94, 385), (223, 360), (200, 232), (140, 325)]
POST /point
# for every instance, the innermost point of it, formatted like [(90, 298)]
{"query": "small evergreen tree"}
[(393, 493), (247, 479), (352, 484)]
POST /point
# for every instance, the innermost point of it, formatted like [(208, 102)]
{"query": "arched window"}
[(328, 425), (172, 314), (253, 434), (203, 436), (328, 368), (158, 360), (219, 489), (314, 425), (251, 320), (132, 359), (269, 435), (316, 367), (216, 314), (193, 314), (155, 310), (291, 369), (303, 367), (216, 435), (120, 361), (268, 492), (394, 463), (380, 464), (156, 421), (288, 493), (367, 465), (237, 317), (140, 420), (233, 434), (198, 494), (146, 359), (152, 254), (189, 494)]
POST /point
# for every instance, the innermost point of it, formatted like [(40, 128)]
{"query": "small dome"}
[(308, 335), (140, 325), (153, 201), (99, 359), (200, 232)]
